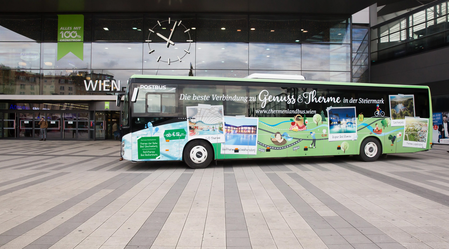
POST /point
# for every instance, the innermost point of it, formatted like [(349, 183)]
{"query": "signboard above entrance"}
[(102, 85)]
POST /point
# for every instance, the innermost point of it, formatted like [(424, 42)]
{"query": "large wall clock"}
[(169, 41)]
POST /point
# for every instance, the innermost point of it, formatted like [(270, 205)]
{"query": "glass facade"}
[(360, 53), (119, 45), (421, 30)]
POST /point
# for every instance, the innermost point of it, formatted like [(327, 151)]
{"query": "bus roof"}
[(288, 81)]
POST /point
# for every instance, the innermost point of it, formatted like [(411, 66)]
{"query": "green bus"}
[(198, 120)]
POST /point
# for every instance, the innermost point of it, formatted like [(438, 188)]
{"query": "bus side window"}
[(168, 103), (153, 103), (161, 103)]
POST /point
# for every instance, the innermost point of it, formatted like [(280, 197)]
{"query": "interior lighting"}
[(129, 48), (296, 40), (47, 63), (193, 28), (106, 48), (239, 30), (268, 49), (272, 30), (223, 28), (134, 28), (253, 29), (22, 63), (305, 31), (268, 56), (139, 30), (105, 28), (339, 33)]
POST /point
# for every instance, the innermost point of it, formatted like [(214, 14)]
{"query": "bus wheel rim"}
[(198, 154), (371, 149)]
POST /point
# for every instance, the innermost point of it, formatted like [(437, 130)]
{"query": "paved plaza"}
[(77, 194)]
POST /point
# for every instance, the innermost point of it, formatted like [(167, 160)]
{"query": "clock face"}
[(169, 41)]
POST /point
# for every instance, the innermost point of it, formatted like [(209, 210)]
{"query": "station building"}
[(64, 60)]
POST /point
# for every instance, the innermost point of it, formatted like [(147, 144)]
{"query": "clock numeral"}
[(187, 51), (159, 23), (179, 59), (179, 22), (151, 30), (168, 62), (169, 20), (151, 51), (187, 30), (158, 59)]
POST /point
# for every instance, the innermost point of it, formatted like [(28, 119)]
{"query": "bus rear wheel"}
[(198, 154), (370, 150)]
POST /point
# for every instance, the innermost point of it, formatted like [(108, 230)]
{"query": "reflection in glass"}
[(26, 124), (9, 125), (100, 125), (327, 76), (274, 29), (319, 29), (238, 107), (63, 82), (220, 55), (168, 103), (153, 103), (118, 27), (83, 125), (280, 56), (20, 28), (116, 55), (49, 58), (222, 73), (121, 76), (326, 57), (54, 125), (19, 82), (69, 125), (182, 72), (150, 61), (23, 55), (203, 90), (222, 28)]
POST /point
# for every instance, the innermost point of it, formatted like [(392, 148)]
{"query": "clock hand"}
[(165, 38), (171, 33)]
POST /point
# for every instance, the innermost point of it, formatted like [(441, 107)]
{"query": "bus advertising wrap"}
[(276, 122)]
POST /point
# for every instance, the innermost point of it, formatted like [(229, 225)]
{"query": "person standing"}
[(43, 124), (115, 131), (443, 128)]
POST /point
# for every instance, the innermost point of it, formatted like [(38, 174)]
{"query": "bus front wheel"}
[(370, 150), (198, 154)]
